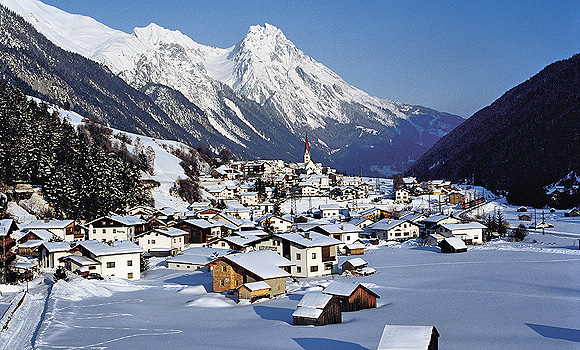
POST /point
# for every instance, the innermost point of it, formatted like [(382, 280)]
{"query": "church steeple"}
[(306, 150)]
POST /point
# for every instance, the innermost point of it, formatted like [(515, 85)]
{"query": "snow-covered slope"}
[(265, 67)]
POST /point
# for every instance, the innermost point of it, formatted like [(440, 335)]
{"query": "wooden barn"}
[(456, 198), (317, 309), (254, 291), (452, 245), (525, 217), (353, 264), (572, 213), (396, 337), (354, 249), (352, 296)]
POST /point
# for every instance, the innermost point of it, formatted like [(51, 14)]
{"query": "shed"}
[(353, 264), (355, 249), (317, 309), (396, 337), (254, 290), (352, 296), (572, 213), (452, 245), (525, 217)]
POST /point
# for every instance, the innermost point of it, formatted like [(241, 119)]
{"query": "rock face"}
[(526, 139), (261, 93)]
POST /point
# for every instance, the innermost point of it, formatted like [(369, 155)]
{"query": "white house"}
[(49, 253), (394, 230), (347, 233), (120, 258), (163, 241), (434, 220), (278, 223), (471, 232), (115, 228), (249, 198), (402, 195), (313, 253), (329, 211)]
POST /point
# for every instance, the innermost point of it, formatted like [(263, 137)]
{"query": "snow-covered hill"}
[(296, 92)]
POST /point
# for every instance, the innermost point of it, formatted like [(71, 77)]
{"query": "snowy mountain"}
[(280, 92)]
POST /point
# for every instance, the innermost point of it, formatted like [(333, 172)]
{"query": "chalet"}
[(433, 239), (119, 258), (371, 214), (352, 296), (231, 271), (278, 223), (200, 230), (353, 264), (234, 223), (265, 208), (434, 220), (163, 241), (313, 254), (452, 245), (329, 211), (115, 228), (456, 198), (470, 233), (437, 186), (7, 228), (397, 337), (397, 230), (525, 217), (572, 213), (205, 213), (195, 258), (402, 195), (225, 172), (361, 222), (347, 233), (63, 229), (249, 199), (317, 309), (241, 243), (254, 291), (242, 213), (26, 235), (49, 253), (308, 190), (355, 248), (167, 214), (414, 217), (30, 248), (195, 206), (220, 192), (141, 211)]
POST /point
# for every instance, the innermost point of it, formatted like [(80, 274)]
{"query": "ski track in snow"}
[(61, 317)]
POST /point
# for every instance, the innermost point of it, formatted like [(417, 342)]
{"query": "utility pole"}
[(543, 223)]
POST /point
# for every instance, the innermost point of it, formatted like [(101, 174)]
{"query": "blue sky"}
[(453, 56)]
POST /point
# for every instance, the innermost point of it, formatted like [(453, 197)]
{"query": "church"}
[(308, 165)]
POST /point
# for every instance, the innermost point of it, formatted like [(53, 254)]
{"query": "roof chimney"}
[(307, 234)]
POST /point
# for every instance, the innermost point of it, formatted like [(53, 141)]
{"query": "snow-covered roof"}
[(356, 262), (48, 224), (206, 251), (33, 243), (117, 247), (43, 234), (435, 218), (316, 239), (169, 231), (191, 259), (53, 247), (253, 286), (414, 217), (345, 289), (356, 245), (358, 221), (396, 337), (81, 260), (263, 263), (5, 226), (340, 228), (242, 240), (127, 220), (456, 242), (203, 223), (387, 224), (307, 312), (316, 300), (466, 226), (329, 207)]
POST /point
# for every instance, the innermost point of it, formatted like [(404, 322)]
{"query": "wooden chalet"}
[(452, 245), (353, 264), (317, 309), (456, 198), (352, 296), (254, 291), (200, 230), (7, 227), (525, 217), (397, 337), (354, 249), (231, 271)]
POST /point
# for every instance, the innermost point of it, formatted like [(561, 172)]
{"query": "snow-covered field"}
[(498, 296)]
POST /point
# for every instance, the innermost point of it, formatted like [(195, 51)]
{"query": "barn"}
[(355, 249), (352, 296), (317, 309), (452, 245), (396, 337), (254, 291), (353, 264)]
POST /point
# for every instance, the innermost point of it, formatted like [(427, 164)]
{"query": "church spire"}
[(306, 150)]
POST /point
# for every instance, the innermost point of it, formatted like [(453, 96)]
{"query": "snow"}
[(116, 247), (317, 300), (357, 262), (397, 337), (253, 286), (213, 300), (341, 288)]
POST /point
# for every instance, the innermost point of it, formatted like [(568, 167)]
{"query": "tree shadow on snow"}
[(295, 296), (556, 332), (193, 280), (274, 313), (428, 248), (321, 343)]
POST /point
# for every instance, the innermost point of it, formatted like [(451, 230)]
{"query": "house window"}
[(224, 268), (95, 231), (110, 264), (152, 241), (177, 265), (298, 269), (130, 275), (298, 257), (313, 255), (114, 230), (328, 266), (314, 268), (222, 283), (104, 230), (279, 286), (129, 262), (348, 238), (92, 267)]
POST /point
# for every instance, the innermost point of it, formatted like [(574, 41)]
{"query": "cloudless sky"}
[(453, 56)]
